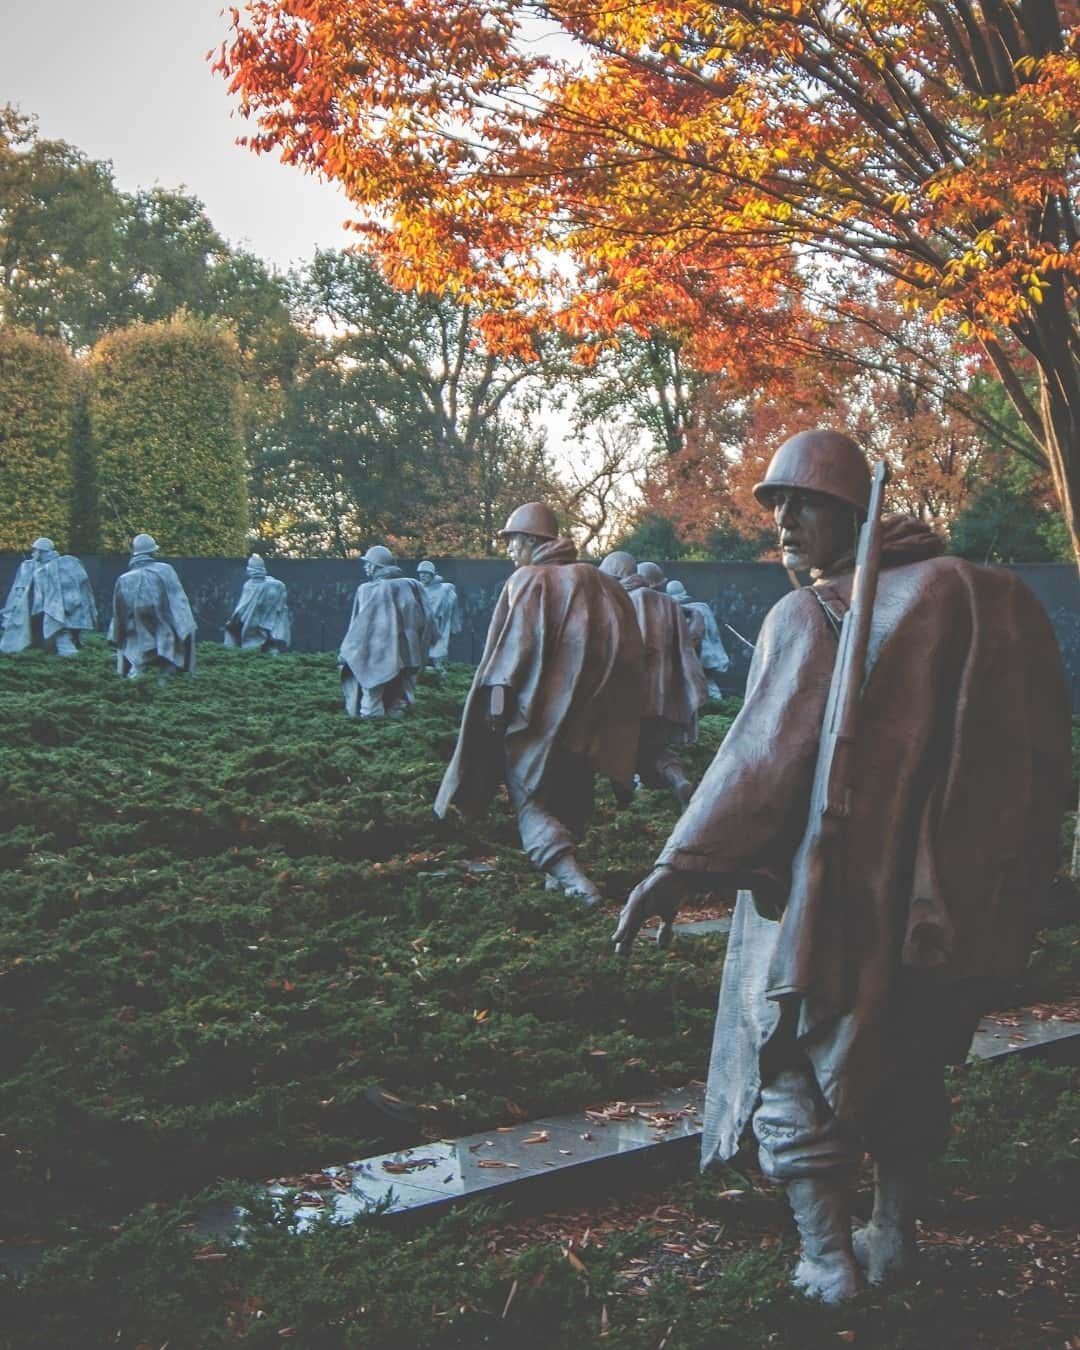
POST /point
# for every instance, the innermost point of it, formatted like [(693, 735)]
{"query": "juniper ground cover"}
[(226, 911)]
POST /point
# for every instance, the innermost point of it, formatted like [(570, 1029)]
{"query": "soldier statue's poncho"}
[(563, 638), (961, 773), (260, 620), (152, 623), (50, 603), (387, 642)]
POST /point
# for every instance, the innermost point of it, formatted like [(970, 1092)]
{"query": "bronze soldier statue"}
[(673, 687), (861, 957), (555, 699)]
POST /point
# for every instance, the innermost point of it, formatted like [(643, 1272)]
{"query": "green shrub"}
[(38, 398), (166, 427)]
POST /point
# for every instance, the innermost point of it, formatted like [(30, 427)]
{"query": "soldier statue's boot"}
[(65, 644), (827, 1269), (571, 880), (885, 1247)]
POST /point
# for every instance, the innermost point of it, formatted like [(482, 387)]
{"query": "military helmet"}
[(256, 566), (819, 461), (379, 555), (677, 590), (426, 566), (43, 545), (144, 543), (533, 518), (619, 564), (651, 572)]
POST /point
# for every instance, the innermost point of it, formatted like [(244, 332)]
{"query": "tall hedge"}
[(165, 421), (38, 393)]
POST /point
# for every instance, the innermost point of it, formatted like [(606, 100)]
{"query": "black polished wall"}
[(321, 592)]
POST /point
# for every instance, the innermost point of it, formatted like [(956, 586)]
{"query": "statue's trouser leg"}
[(404, 692), (371, 702), (553, 820), (802, 1147), (65, 643), (658, 764), (932, 1024), (350, 692)]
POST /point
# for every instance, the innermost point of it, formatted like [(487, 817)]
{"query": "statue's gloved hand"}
[(501, 708), (660, 893)]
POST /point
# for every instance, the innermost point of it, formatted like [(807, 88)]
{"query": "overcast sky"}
[(127, 81)]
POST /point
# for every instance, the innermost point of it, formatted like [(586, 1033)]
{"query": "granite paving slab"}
[(1018, 1030), (433, 1176)]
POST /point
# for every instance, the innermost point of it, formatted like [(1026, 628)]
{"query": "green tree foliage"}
[(39, 389), (398, 424), (165, 417)]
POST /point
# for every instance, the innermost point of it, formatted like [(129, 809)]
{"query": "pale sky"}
[(127, 81)]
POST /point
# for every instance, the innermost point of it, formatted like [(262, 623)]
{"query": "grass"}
[(226, 910)]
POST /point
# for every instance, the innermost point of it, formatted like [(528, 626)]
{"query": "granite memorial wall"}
[(321, 592)]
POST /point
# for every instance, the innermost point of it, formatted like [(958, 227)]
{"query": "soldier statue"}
[(890, 817), (705, 635), (260, 621), (389, 635), (673, 687), (442, 600), (50, 603), (152, 625), (555, 699)]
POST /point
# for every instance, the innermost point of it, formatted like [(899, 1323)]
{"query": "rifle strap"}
[(833, 622)]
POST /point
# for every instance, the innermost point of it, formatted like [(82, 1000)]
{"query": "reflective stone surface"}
[(1017, 1030)]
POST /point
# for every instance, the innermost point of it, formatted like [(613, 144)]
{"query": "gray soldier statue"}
[(555, 699), (260, 621), (705, 635), (390, 633), (673, 686), (855, 972), (442, 599), (50, 603), (152, 625)]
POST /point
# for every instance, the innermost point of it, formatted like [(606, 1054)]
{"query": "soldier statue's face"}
[(815, 530), (426, 578), (519, 549)]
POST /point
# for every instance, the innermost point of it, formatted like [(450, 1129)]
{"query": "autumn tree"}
[(693, 162)]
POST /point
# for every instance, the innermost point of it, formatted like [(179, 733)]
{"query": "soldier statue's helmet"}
[(619, 564), (378, 555), (533, 518), (652, 572), (818, 461), (43, 545), (426, 567), (255, 566), (143, 543), (677, 590)]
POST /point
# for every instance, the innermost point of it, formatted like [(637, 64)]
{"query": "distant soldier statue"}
[(50, 603), (152, 626), (554, 702), (388, 639), (442, 599), (890, 800), (260, 621), (673, 688), (652, 574), (706, 636)]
